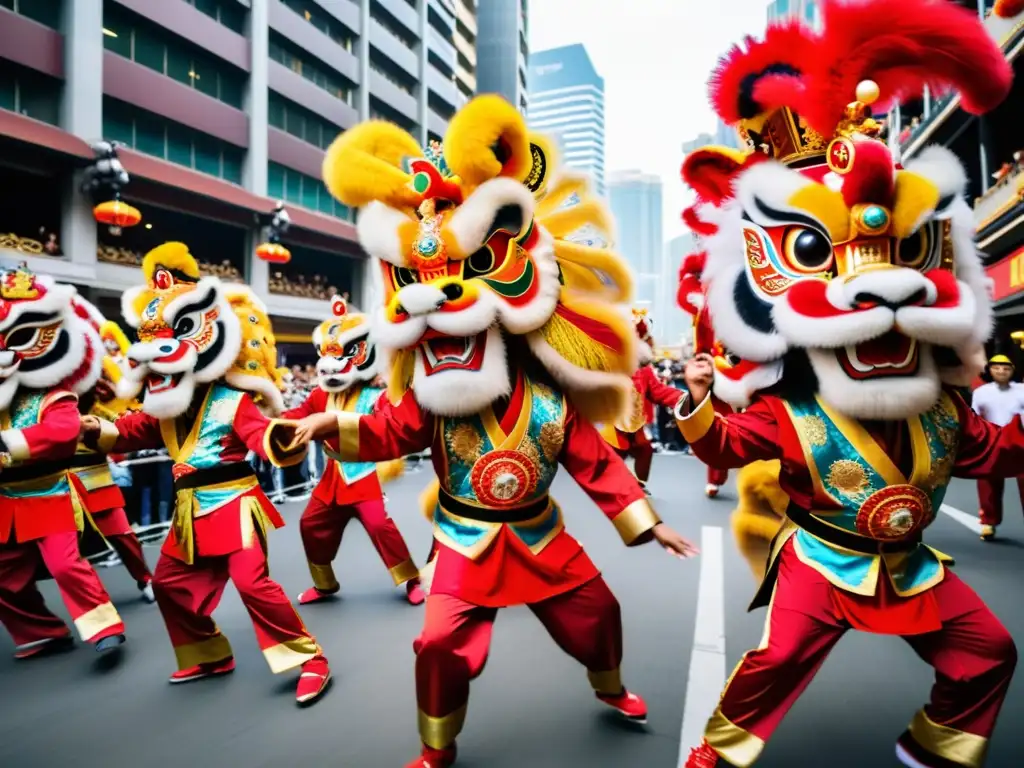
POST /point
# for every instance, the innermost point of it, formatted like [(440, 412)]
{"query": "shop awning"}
[(29, 131)]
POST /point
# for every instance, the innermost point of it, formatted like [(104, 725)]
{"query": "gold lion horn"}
[(488, 138), (367, 163)]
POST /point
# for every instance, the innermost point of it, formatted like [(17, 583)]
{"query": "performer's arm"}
[(658, 392), (607, 480), (53, 437), (315, 402), (733, 441), (270, 439), (131, 432), (977, 404), (986, 450), (391, 432)]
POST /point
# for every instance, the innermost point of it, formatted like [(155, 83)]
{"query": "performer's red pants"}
[(188, 595), (22, 610), (990, 494), (973, 656), (453, 647), (322, 526), (717, 477), (640, 448), (113, 524)]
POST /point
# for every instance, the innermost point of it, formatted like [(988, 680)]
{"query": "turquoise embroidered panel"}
[(352, 471)]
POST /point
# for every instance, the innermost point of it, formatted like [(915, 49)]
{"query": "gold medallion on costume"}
[(503, 478), (894, 512)]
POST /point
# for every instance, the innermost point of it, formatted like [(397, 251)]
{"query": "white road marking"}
[(707, 658), (970, 522)]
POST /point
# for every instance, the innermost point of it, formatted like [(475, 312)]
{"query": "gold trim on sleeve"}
[(290, 654), (949, 743), (109, 435), (403, 572), (741, 748), (635, 520), (697, 423), (16, 444), (323, 578), (440, 732), (102, 617), (348, 435), (278, 449)]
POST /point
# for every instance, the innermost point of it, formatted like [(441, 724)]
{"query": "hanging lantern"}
[(275, 253), (116, 213), (104, 179), (1008, 9)]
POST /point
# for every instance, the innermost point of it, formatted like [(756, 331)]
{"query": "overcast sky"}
[(655, 56)]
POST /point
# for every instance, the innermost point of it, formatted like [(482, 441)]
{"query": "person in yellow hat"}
[(998, 401)]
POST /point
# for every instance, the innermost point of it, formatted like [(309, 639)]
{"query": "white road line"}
[(707, 659), (968, 521)]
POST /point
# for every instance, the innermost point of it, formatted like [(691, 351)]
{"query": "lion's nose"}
[(452, 291), (867, 299), (419, 299)]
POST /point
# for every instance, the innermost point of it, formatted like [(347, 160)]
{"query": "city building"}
[(465, 47), (502, 52), (635, 200), (808, 11), (222, 108), (990, 149), (724, 136), (566, 101), (677, 325)]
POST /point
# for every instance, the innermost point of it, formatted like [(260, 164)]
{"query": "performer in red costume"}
[(102, 499), (47, 352), (850, 285), (628, 436), (349, 490), (206, 354), (508, 342)]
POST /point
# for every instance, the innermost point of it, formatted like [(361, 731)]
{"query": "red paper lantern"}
[(275, 253), (1008, 9), (116, 213)]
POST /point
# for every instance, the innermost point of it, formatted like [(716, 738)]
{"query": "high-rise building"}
[(502, 52), (677, 324), (567, 102), (465, 47), (635, 200), (221, 108), (724, 136), (808, 11)]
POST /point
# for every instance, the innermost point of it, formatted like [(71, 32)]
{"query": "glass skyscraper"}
[(635, 200)]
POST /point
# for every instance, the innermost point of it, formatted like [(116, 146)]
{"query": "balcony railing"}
[(1004, 195)]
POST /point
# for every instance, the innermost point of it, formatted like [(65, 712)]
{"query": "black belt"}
[(845, 539), (222, 473), (86, 460), (34, 471), (492, 514)]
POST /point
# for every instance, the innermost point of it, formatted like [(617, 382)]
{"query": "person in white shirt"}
[(998, 401)]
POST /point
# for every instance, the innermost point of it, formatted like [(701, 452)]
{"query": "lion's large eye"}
[(912, 251), (403, 276), (482, 262), (807, 250), (23, 337), (187, 325)]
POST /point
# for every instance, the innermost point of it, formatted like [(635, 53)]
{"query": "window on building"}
[(46, 12), (392, 25), (166, 139), (308, 191), (29, 93), (284, 52), (301, 122), (230, 13), (442, 66), (380, 110), (440, 106), (465, 32), (387, 69), (441, 26), (324, 21), (131, 36)]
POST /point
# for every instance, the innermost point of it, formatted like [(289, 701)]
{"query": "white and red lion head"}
[(829, 264), (477, 265), (347, 354), (49, 336)]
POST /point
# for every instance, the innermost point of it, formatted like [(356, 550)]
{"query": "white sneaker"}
[(147, 593), (711, 490)]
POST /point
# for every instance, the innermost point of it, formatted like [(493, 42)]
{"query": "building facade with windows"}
[(636, 204), (808, 11), (221, 108), (566, 101), (502, 48)]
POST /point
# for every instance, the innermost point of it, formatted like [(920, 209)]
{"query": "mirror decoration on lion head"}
[(827, 263), (481, 262)]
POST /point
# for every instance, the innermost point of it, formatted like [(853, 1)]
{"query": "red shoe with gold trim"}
[(627, 704), (314, 681), (201, 671), (705, 757), (435, 758), (414, 592), (314, 595)]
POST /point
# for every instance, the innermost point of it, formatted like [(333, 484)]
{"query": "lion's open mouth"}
[(453, 353), (157, 383), (891, 354)]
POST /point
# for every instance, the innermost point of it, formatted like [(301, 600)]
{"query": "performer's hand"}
[(312, 427), (673, 543), (698, 375), (88, 428)]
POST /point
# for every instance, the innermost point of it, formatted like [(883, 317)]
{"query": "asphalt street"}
[(532, 706)]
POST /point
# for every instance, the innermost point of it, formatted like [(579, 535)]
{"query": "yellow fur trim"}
[(111, 330), (914, 195), (543, 161), (559, 192), (111, 369), (429, 497), (403, 366), (758, 488), (258, 353), (605, 405), (594, 270), (173, 256), (575, 346), (366, 163), (474, 131), (390, 470), (827, 206), (568, 220)]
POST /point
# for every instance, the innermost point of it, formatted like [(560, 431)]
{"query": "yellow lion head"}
[(481, 260)]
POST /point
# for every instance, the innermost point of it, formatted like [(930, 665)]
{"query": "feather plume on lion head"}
[(481, 246)]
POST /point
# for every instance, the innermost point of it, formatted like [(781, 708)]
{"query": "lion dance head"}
[(829, 264), (480, 263), (195, 330), (347, 355), (49, 336)]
